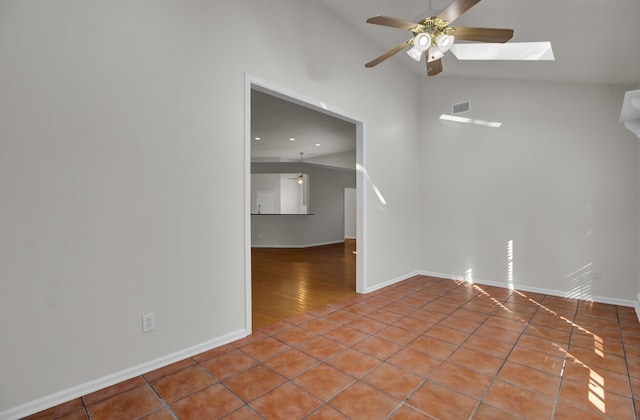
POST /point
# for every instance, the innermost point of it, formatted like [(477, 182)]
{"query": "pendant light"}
[(301, 177)]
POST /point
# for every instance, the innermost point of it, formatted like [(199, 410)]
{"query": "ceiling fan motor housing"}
[(434, 26), (441, 35)]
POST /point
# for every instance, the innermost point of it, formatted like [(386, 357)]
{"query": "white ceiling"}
[(276, 121), (594, 41)]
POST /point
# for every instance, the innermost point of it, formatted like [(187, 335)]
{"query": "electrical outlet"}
[(148, 322), (596, 274)]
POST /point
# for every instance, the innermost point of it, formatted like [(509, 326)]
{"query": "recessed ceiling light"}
[(258, 138), (317, 144), (292, 139)]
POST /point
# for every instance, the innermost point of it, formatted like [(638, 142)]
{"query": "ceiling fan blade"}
[(393, 22), (456, 9), (434, 67), (388, 54), (465, 33)]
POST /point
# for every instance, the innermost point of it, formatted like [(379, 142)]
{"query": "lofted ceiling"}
[(594, 41)]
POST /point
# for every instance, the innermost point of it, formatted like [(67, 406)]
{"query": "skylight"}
[(540, 51)]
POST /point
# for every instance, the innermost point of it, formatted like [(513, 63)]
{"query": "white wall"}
[(340, 160), (350, 213), (324, 224), (121, 127), (559, 178), (267, 183)]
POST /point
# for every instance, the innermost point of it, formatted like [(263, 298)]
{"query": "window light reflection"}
[(510, 264), (593, 386), (373, 185), (596, 391), (465, 120)]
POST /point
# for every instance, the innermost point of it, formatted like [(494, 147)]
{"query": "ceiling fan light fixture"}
[(630, 113), (437, 34), (421, 43), (435, 53), (301, 177), (444, 42), (415, 53)]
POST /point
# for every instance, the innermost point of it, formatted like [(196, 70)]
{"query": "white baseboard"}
[(552, 292), (439, 275), (117, 377), (391, 282), (297, 245)]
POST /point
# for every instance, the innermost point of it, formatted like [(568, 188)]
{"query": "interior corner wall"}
[(637, 299), (325, 224), (558, 181), (122, 166)]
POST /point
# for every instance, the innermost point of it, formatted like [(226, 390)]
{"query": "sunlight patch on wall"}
[(510, 264), (362, 169), (589, 220), (580, 283), (465, 120)]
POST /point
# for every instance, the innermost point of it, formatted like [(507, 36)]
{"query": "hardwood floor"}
[(289, 281)]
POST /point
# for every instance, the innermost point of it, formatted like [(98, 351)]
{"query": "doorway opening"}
[(292, 238)]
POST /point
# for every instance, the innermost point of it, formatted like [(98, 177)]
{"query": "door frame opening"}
[(252, 82)]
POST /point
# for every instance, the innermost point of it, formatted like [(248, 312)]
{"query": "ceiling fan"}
[(433, 36)]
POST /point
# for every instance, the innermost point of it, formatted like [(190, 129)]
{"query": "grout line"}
[(564, 364), (86, 410), (426, 379), (495, 377), (162, 400), (626, 363)]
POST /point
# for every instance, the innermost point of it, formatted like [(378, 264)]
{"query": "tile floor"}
[(423, 348)]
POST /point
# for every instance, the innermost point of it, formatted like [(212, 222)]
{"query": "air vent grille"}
[(461, 107)]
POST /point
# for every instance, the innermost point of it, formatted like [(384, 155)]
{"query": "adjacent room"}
[(488, 267), (303, 212)]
